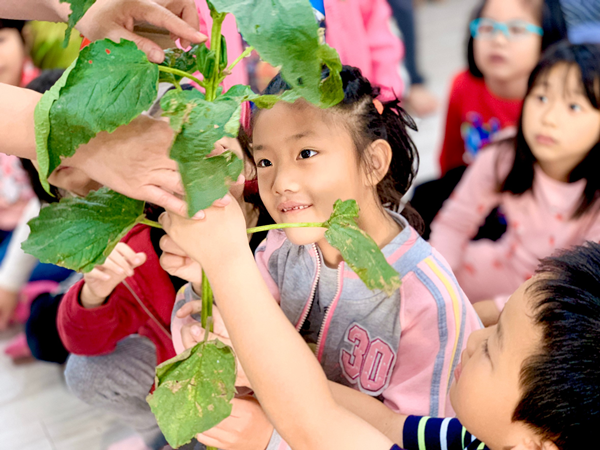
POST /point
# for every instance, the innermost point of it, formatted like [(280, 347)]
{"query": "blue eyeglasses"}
[(513, 30)]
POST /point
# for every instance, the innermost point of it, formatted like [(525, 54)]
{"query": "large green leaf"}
[(285, 34), (242, 93), (78, 9), (109, 86), (79, 233), (200, 124), (359, 250), (194, 391), (177, 58), (41, 118)]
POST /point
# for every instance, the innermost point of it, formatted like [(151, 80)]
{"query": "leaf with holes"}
[(359, 250), (194, 391), (79, 233)]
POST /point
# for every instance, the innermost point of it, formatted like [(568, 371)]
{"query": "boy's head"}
[(12, 51), (533, 380)]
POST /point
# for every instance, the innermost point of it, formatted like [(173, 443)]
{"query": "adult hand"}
[(8, 303), (247, 428), (192, 333), (115, 19), (134, 161)]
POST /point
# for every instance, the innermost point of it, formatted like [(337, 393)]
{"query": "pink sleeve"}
[(265, 250), (387, 50), (436, 320), (464, 212)]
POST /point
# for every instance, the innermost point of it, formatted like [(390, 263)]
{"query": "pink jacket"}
[(358, 29)]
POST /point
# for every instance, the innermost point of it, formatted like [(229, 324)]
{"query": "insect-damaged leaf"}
[(110, 85), (358, 249), (78, 9), (79, 233), (194, 391), (200, 124), (177, 58), (285, 34)]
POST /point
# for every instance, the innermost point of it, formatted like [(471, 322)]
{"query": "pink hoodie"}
[(358, 29)]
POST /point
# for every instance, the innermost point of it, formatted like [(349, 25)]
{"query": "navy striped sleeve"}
[(427, 433)]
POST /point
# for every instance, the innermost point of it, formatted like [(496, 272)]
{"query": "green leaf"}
[(206, 61), (41, 118), (78, 9), (242, 93), (200, 124), (359, 250), (110, 85), (285, 34), (177, 58), (194, 391), (79, 233)]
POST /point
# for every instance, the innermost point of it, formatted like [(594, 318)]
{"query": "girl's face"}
[(12, 56), (560, 124), (304, 164), (498, 58)]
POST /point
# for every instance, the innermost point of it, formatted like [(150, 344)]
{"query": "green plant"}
[(112, 83)]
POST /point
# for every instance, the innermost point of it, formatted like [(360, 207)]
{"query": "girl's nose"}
[(285, 180), (550, 115)]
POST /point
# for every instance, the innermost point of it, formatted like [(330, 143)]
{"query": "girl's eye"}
[(575, 107), (264, 163), (305, 154), (542, 98)]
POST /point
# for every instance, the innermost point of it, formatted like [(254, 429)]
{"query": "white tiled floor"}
[(36, 410)]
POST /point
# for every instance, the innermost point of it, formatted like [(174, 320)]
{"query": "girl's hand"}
[(247, 428), (177, 263), (103, 279), (213, 235), (193, 333)]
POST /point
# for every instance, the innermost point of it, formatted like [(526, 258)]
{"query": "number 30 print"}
[(370, 362)]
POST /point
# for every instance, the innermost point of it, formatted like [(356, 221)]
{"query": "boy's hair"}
[(41, 84), (519, 180), (366, 125), (553, 24), (561, 385)]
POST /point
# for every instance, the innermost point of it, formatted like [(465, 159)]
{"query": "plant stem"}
[(278, 226), (177, 85), (239, 58), (151, 223), (215, 45), (181, 73), (207, 302)]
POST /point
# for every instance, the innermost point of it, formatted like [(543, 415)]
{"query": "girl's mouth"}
[(293, 208), (545, 140), (457, 371)]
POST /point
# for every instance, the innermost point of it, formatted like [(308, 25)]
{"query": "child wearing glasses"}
[(545, 180), (506, 40)]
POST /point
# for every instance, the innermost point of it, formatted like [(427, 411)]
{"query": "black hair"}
[(366, 125), (16, 24), (519, 180), (553, 24), (560, 384), (41, 84)]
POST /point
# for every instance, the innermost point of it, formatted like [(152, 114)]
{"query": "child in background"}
[(531, 382), (306, 159), (506, 40), (545, 180)]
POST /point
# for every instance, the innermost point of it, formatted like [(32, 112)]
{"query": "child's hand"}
[(103, 279), (212, 237), (8, 303), (177, 263), (488, 312), (193, 333), (247, 428)]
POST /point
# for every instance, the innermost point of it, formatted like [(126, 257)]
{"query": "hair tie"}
[(378, 106)]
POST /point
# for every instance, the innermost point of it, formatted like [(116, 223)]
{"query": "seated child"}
[(530, 382), (545, 180), (401, 348)]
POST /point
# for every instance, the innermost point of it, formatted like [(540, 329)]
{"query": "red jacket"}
[(96, 331), (474, 116)]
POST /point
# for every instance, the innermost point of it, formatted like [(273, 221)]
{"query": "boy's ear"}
[(379, 158), (534, 444)]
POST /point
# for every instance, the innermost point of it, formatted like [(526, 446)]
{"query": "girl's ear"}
[(378, 160)]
